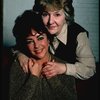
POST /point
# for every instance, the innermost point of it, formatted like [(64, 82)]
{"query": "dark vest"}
[(68, 52)]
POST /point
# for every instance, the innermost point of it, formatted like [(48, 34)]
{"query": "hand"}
[(23, 60), (54, 68), (34, 67)]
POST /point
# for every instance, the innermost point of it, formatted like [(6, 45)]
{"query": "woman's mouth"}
[(51, 27), (38, 51)]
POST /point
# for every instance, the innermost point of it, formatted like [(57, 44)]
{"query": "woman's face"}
[(54, 20), (37, 44)]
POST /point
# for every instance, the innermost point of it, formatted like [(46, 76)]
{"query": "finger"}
[(50, 74), (50, 63), (30, 63), (47, 68), (33, 60), (24, 67), (53, 60)]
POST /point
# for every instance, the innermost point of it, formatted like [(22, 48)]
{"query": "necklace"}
[(48, 60)]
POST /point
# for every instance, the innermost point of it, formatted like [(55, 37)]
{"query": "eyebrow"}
[(36, 36), (39, 35), (28, 39)]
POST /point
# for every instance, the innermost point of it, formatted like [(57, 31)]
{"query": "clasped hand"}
[(49, 70)]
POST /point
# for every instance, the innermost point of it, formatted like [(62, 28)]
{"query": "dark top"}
[(29, 87), (68, 52)]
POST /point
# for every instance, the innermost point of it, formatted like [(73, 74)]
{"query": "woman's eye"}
[(40, 38), (29, 42), (57, 14), (45, 14)]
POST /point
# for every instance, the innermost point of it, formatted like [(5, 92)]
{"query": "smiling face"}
[(37, 44), (55, 13), (54, 20)]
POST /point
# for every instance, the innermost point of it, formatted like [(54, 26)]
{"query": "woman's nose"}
[(51, 19), (36, 44)]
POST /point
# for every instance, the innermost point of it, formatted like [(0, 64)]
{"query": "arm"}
[(22, 58), (22, 86), (85, 67)]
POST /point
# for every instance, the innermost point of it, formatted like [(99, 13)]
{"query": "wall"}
[(11, 9), (86, 14)]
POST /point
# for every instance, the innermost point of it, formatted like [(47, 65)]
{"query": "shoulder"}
[(75, 27), (56, 59)]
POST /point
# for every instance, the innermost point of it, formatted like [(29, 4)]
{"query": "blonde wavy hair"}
[(51, 5)]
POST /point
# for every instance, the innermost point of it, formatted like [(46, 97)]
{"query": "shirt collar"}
[(63, 35)]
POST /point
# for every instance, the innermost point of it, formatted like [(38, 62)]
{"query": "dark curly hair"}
[(23, 25)]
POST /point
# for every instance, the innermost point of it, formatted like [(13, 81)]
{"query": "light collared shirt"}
[(85, 67)]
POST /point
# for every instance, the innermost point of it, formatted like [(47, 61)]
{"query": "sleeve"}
[(85, 67), (22, 86), (63, 87), (14, 50)]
